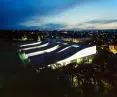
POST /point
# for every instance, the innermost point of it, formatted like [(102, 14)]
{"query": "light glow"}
[(113, 49), (24, 58)]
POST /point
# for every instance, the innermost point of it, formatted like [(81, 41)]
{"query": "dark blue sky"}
[(57, 14)]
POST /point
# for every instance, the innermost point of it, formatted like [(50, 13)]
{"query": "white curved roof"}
[(82, 53), (29, 48), (78, 51), (43, 51)]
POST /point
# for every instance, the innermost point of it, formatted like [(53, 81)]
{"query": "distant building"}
[(77, 40), (113, 49)]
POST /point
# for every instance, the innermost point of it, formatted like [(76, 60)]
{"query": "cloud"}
[(51, 26), (95, 24), (34, 14), (92, 24), (15, 12), (54, 26), (102, 24), (102, 21)]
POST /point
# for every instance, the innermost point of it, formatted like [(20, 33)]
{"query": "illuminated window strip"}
[(29, 48), (75, 46), (64, 49), (65, 43), (41, 52), (30, 44), (58, 42), (68, 48), (83, 53)]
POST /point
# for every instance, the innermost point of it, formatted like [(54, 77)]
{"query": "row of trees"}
[(98, 79)]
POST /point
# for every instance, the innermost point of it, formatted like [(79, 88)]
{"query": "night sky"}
[(58, 14)]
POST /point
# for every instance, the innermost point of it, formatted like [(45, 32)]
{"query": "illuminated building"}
[(113, 49), (82, 53), (56, 54), (77, 40)]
